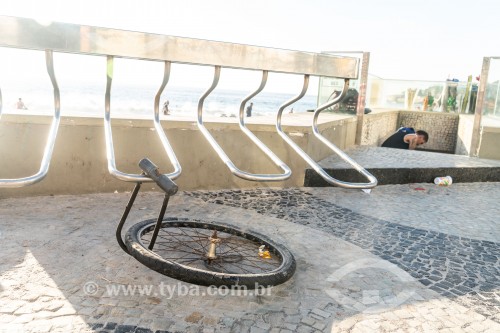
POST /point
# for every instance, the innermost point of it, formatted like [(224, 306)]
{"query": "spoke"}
[(183, 258), (170, 252), (174, 245), (258, 268), (183, 233), (224, 269), (255, 263), (169, 242), (231, 248), (191, 260), (180, 247), (241, 268), (187, 241), (190, 238), (248, 245), (196, 231), (182, 242), (251, 264), (237, 239), (177, 246), (253, 257)]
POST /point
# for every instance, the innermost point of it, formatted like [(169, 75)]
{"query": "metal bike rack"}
[(51, 138), (234, 170), (110, 152), (61, 37)]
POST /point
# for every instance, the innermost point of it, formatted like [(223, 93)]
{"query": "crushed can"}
[(443, 181)]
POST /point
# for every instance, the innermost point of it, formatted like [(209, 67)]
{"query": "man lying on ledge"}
[(406, 138)]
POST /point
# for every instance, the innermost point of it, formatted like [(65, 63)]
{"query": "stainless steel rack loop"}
[(220, 152), (110, 151), (51, 138), (372, 181)]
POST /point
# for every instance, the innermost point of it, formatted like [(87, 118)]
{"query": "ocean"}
[(130, 101)]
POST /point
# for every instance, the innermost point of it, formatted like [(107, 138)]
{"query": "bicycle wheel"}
[(184, 250)]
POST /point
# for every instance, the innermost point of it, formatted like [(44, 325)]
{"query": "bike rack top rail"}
[(82, 39)]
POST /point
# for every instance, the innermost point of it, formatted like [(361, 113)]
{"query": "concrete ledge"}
[(388, 176), (398, 166)]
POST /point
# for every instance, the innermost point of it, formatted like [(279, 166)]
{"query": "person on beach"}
[(406, 138), (249, 110), (165, 108), (20, 105)]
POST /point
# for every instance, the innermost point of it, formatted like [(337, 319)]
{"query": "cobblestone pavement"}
[(466, 210), (364, 263)]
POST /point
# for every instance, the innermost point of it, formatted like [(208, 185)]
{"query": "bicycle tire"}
[(207, 277)]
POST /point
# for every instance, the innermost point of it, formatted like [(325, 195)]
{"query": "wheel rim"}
[(188, 244)]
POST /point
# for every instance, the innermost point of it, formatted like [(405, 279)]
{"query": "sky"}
[(411, 40)]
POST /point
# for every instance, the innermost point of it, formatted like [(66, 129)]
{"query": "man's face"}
[(420, 140)]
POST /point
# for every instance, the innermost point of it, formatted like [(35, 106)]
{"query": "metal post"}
[(159, 221), (363, 82), (476, 129), (125, 215)]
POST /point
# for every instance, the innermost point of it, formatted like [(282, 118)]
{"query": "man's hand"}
[(412, 140)]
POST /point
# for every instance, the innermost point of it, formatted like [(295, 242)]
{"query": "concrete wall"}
[(442, 128), (378, 126), (490, 143), (79, 160), (464, 134)]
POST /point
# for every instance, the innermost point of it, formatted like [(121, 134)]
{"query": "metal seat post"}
[(51, 138), (110, 154)]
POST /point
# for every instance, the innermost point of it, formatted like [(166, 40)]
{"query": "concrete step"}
[(398, 166)]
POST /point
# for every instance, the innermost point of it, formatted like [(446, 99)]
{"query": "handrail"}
[(81, 39), (51, 138), (110, 152), (306, 157), (372, 180), (218, 149)]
